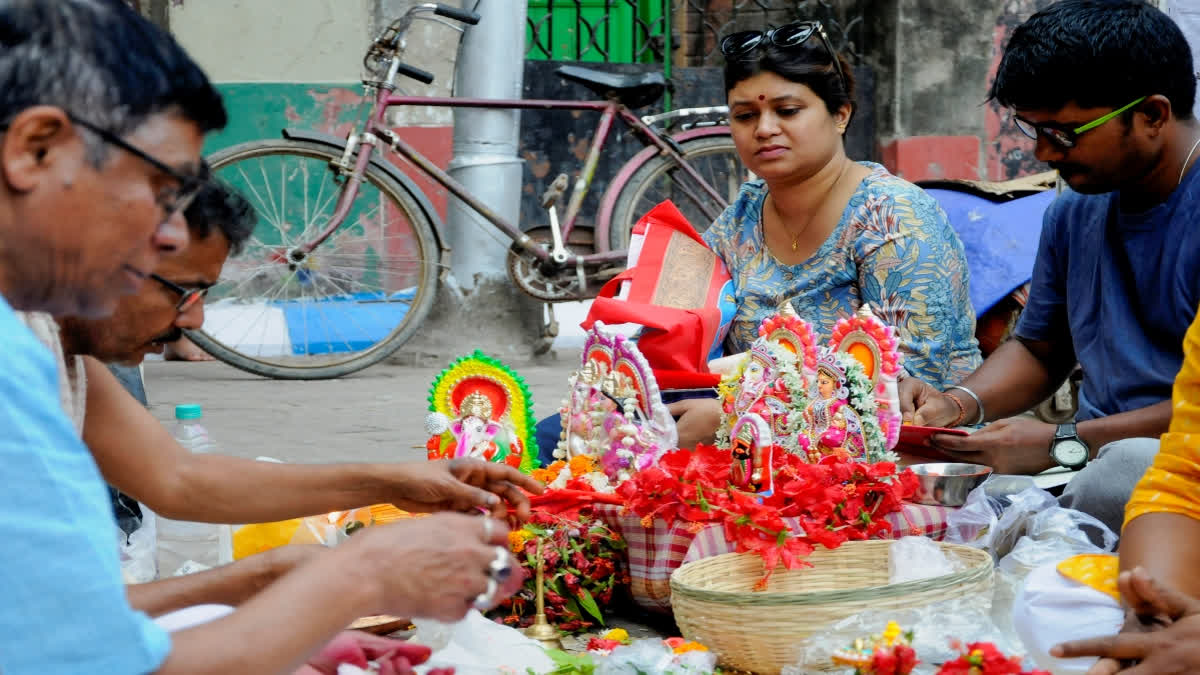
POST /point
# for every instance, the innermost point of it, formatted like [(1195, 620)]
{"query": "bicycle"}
[(345, 260)]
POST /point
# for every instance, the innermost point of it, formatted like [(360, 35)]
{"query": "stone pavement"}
[(374, 415)]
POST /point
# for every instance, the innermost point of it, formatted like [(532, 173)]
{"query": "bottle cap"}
[(188, 411)]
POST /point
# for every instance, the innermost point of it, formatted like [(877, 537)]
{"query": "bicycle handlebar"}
[(422, 76), (469, 18)]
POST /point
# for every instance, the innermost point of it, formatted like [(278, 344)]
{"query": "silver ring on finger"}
[(500, 569), (486, 599)]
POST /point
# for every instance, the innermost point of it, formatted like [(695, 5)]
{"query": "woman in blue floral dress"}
[(821, 231)]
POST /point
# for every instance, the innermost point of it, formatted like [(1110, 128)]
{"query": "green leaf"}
[(572, 606), (589, 605), (570, 664)]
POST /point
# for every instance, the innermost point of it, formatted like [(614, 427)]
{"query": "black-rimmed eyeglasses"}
[(188, 297), (171, 200), (789, 36)]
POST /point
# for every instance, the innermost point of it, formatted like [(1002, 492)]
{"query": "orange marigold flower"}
[(582, 464), (517, 539), (689, 647)]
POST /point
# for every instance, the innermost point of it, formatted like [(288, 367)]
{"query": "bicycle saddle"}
[(633, 91)]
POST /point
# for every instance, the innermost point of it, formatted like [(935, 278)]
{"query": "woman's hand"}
[(698, 419), (1165, 638)]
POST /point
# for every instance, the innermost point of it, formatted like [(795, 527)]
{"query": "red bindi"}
[(761, 97)]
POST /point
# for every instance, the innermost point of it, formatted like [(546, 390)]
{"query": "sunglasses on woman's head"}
[(789, 36)]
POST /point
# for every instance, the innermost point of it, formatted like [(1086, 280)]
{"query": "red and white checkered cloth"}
[(654, 553)]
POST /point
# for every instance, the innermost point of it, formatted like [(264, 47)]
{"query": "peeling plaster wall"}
[(935, 60), (312, 41), (299, 64)]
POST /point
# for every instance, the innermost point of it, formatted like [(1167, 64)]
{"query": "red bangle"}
[(962, 411)]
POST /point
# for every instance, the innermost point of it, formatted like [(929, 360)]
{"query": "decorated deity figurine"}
[(890, 652), (874, 345), (481, 408), (614, 412), (838, 401), (833, 428), (762, 396)]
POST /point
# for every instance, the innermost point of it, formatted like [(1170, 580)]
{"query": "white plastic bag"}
[(1022, 531), (934, 626), (139, 551), (915, 558), (992, 520)]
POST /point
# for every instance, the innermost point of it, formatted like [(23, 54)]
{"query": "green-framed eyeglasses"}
[(1067, 138)]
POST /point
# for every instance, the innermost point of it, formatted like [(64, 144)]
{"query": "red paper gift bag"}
[(679, 290)]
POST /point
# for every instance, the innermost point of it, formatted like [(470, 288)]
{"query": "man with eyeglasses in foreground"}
[(1106, 88), (136, 454), (88, 210)]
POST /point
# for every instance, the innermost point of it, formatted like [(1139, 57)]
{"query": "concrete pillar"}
[(490, 64)]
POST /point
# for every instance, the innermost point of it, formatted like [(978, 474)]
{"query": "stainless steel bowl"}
[(947, 483)]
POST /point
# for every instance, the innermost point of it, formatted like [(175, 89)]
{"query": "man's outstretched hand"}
[(1161, 633), (462, 485), (1016, 445), (923, 405)]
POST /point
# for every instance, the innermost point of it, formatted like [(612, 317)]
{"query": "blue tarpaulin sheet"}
[(1000, 240)]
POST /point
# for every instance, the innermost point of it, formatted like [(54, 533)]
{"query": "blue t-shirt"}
[(62, 601), (1126, 328), (893, 248)]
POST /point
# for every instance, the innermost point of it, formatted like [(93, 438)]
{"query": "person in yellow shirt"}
[(1151, 591)]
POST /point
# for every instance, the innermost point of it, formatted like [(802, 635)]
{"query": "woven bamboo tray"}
[(760, 631)]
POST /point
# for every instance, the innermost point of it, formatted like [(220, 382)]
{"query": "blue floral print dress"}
[(892, 248)]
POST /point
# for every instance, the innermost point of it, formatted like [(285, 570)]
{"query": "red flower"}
[(572, 583), (983, 658), (602, 568), (834, 502), (601, 645)]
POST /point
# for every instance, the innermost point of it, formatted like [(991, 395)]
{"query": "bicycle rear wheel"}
[(714, 158), (352, 301)]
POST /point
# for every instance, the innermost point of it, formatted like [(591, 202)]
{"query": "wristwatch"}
[(1068, 449)]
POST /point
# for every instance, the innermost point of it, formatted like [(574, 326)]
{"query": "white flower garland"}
[(862, 400)]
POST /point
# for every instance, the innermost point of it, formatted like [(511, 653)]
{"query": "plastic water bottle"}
[(185, 546)]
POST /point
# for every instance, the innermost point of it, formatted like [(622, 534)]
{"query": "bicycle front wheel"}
[(355, 299), (714, 158)]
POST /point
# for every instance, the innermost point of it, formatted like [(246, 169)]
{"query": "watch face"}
[(1070, 452)]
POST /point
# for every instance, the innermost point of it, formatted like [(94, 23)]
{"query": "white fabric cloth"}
[(479, 646), (72, 381), (191, 616), (1051, 609)]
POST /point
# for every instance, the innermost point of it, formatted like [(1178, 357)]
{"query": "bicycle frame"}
[(377, 130)]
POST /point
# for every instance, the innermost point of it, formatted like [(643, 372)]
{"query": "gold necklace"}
[(820, 203)]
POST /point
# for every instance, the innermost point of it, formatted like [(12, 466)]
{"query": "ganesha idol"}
[(836, 400), (614, 411), (481, 408)]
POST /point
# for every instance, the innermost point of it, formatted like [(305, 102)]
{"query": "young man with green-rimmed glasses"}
[(1106, 91)]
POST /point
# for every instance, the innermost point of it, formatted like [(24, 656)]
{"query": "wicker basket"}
[(761, 631)]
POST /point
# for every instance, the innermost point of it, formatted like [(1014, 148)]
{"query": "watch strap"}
[(1064, 431)]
